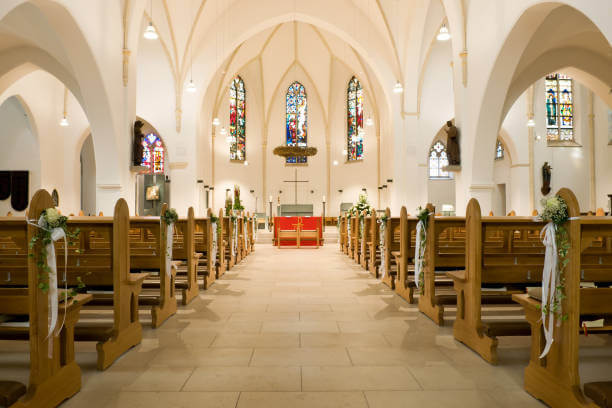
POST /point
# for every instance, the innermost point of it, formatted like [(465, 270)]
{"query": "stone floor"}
[(304, 328)]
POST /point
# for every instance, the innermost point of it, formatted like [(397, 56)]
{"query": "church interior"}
[(272, 203)]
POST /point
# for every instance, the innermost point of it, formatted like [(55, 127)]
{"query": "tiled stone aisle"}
[(303, 328)]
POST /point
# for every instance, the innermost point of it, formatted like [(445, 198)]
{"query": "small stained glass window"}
[(153, 153), (499, 150), (559, 108)]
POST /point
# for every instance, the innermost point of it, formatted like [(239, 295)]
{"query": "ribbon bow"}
[(419, 252), (169, 244), (549, 283)]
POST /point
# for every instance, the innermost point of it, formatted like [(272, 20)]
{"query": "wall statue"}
[(546, 176), (452, 144), (137, 147)]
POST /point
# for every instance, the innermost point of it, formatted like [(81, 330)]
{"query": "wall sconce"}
[(339, 191), (389, 180)]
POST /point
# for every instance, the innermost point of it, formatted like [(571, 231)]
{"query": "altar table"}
[(298, 231)]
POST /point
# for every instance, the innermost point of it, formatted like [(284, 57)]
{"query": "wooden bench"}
[(228, 244), (207, 264), (404, 258), (373, 246), (365, 241), (100, 259), (52, 379), (148, 254), (184, 251), (555, 378), (342, 239), (501, 251), (391, 249), (444, 250)]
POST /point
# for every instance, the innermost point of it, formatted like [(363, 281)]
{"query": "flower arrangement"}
[(237, 204), (420, 262), (51, 226), (228, 206), (555, 210), (170, 216), (361, 206), (214, 218)]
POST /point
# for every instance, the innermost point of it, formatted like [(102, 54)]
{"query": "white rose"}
[(52, 216)]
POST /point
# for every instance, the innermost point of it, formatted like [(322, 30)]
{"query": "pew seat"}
[(10, 392), (500, 328), (600, 393)]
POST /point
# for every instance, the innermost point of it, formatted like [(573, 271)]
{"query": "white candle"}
[(323, 198), (270, 198)]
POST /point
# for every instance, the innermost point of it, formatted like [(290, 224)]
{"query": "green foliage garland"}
[(52, 219), (170, 216), (555, 210)]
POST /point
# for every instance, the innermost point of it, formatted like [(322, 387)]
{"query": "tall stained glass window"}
[(354, 120), (297, 119), (499, 150), (237, 120), (559, 108), (437, 161), (153, 153)]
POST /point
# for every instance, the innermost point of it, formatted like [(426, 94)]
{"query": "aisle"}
[(302, 328)]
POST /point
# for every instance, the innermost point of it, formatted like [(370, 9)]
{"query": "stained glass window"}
[(499, 150), (559, 108), (237, 120), (437, 161), (153, 153), (355, 120), (297, 123)]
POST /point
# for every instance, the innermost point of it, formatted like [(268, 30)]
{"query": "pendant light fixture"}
[(64, 121), (150, 33), (443, 34), (369, 121), (398, 88), (531, 123), (216, 122)]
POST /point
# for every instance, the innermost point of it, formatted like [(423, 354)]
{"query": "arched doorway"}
[(152, 184)]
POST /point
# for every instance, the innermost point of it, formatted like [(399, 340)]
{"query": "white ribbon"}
[(169, 242), (549, 282), (53, 294), (245, 232), (349, 225), (381, 244), (235, 237), (213, 256), (419, 252)]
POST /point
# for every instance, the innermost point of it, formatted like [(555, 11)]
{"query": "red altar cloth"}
[(290, 223)]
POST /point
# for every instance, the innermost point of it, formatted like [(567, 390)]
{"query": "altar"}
[(298, 232)]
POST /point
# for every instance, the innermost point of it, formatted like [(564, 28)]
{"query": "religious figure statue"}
[(452, 144), (137, 148), (546, 175)]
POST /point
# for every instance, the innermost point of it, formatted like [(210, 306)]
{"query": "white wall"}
[(88, 177)]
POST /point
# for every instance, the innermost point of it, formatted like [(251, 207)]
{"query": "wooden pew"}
[(444, 250), (365, 241), (373, 246), (52, 379), (391, 249), (222, 261), (239, 236), (342, 239), (100, 259), (184, 251), (555, 378), (228, 237), (514, 262), (355, 238), (251, 228), (205, 266), (404, 258), (148, 253)]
